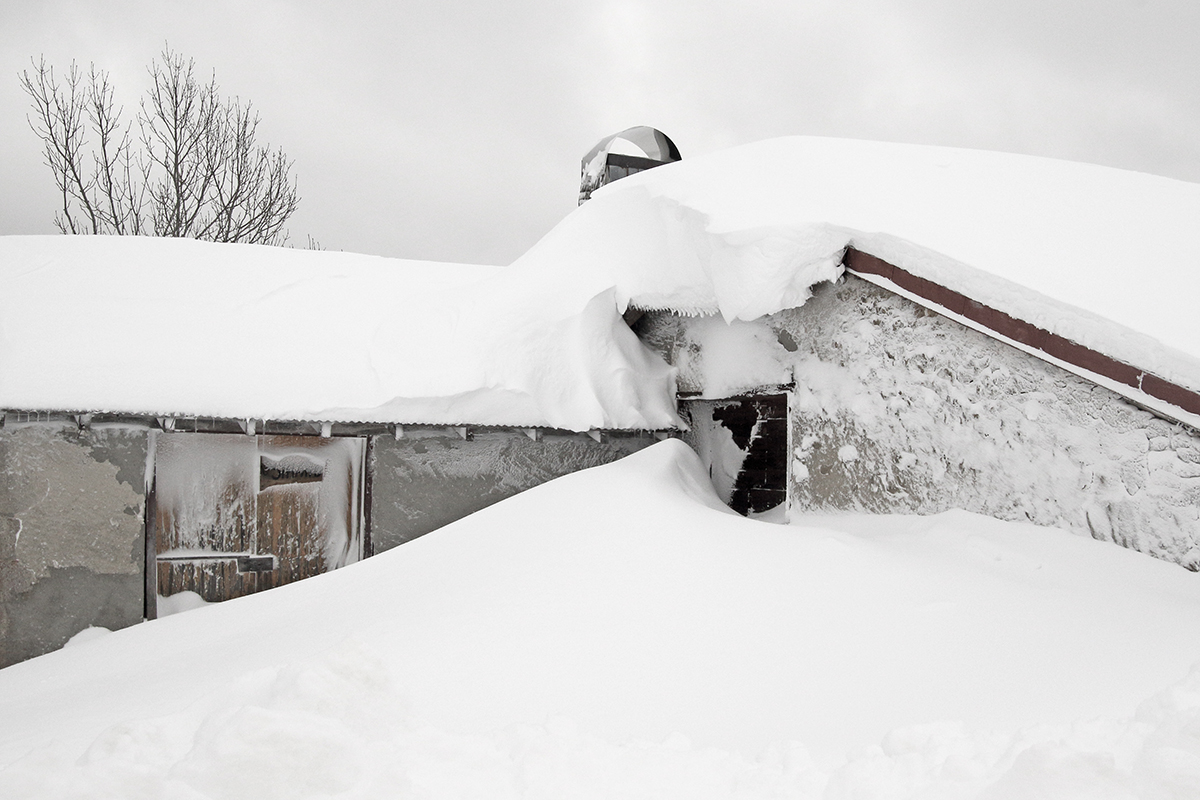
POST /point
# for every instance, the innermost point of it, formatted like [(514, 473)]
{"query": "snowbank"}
[(618, 632), (172, 327)]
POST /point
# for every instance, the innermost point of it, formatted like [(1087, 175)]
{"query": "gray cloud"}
[(453, 130)]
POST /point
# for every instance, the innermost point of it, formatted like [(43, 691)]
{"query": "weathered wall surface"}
[(432, 477), (897, 409), (72, 534)]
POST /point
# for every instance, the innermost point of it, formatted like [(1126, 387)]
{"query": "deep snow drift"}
[(619, 633), (1101, 256)]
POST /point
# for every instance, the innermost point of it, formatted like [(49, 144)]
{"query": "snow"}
[(88, 634), (619, 633), (178, 603), (732, 358), (1072, 248), (175, 327)]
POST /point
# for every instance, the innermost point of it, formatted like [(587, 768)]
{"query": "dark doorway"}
[(744, 442)]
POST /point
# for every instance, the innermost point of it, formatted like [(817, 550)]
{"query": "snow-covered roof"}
[(1101, 257), (174, 327)]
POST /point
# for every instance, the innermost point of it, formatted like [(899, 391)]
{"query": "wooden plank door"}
[(238, 514), (309, 503), (205, 491)]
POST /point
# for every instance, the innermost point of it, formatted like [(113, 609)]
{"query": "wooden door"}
[(238, 514)]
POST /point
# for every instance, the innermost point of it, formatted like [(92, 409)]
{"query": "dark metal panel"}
[(633, 162)]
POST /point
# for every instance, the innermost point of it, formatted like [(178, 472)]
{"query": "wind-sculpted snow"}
[(174, 327), (619, 633), (1101, 256), (340, 726)]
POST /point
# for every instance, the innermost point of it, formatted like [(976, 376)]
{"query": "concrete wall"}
[(432, 477), (72, 533), (72, 511), (897, 409)]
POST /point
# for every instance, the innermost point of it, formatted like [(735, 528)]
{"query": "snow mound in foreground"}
[(618, 632)]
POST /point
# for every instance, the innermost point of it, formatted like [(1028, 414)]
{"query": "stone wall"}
[(72, 533), (432, 477)]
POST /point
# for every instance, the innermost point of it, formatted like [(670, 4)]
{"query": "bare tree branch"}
[(199, 171)]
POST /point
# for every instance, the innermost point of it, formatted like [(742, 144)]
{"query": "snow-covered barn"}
[(182, 416), (832, 325)]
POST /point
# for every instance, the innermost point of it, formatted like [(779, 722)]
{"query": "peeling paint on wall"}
[(71, 533)]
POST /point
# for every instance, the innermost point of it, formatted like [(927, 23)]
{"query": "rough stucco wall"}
[(898, 409), (72, 532), (431, 478)]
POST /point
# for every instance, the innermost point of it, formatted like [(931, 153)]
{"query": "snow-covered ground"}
[(619, 633)]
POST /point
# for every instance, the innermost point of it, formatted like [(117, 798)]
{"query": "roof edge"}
[(15, 418), (1135, 384)]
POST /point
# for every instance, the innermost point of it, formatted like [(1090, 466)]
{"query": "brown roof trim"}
[(1025, 333)]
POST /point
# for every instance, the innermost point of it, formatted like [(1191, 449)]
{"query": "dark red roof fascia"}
[(1023, 332)]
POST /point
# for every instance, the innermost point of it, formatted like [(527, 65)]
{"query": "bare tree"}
[(195, 169)]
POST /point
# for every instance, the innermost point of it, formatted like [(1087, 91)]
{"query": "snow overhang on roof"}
[(1098, 257), (1099, 265)]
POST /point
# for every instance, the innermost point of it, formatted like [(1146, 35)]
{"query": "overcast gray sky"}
[(453, 130)]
